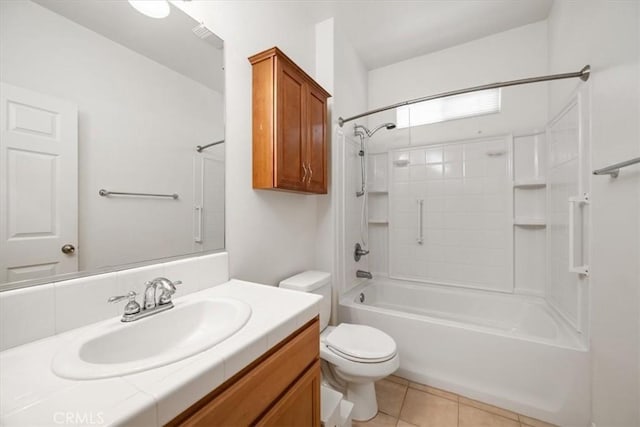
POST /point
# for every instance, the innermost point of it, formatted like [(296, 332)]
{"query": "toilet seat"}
[(360, 343)]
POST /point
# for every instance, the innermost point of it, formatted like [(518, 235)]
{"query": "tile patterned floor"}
[(402, 403)]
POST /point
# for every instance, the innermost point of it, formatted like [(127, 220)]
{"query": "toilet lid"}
[(360, 342)]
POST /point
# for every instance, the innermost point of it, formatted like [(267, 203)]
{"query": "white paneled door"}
[(38, 185)]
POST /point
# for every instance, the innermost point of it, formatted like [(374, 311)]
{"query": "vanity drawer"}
[(281, 376)]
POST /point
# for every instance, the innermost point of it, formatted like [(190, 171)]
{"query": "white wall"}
[(605, 34), (270, 235), (138, 125), (351, 92), (520, 52)]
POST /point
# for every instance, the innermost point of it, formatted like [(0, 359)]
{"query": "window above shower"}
[(450, 108)]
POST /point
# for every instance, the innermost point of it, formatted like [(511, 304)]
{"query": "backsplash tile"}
[(26, 315), (40, 311), (189, 272), (134, 279), (82, 301)]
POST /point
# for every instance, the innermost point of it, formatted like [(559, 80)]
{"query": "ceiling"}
[(169, 41), (388, 31)]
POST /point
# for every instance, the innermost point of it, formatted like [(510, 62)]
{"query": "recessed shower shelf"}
[(378, 221), (530, 183), (529, 222)]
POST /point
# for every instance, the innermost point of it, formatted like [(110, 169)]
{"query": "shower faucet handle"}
[(359, 252)]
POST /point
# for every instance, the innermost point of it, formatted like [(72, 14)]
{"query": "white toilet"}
[(356, 355)]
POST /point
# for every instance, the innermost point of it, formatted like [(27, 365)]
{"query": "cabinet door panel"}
[(243, 402), (290, 139), (300, 406), (317, 157)]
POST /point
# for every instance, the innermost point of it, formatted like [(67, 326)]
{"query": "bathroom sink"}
[(114, 348)]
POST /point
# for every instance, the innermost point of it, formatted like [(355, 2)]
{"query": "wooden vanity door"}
[(300, 406), (291, 138)]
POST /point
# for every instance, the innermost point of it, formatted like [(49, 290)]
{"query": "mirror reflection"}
[(100, 99)]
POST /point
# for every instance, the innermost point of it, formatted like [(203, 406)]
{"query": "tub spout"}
[(364, 274)]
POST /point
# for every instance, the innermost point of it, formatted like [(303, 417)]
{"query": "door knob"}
[(68, 249)]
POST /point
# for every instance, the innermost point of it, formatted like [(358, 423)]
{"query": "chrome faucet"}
[(359, 252), (167, 289), (150, 305), (364, 274)]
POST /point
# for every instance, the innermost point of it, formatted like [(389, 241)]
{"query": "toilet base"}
[(363, 396)]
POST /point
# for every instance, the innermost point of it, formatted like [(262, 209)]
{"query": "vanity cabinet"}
[(281, 388), (289, 126)]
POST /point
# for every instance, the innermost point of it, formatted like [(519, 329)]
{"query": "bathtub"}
[(512, 351)]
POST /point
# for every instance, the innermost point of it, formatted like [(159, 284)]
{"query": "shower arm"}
[(583, 75)]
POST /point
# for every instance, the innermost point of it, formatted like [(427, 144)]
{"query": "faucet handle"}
[(132, 306), (168, 291)]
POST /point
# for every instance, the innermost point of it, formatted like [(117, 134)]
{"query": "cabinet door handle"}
[(304, 168), (310, 174)]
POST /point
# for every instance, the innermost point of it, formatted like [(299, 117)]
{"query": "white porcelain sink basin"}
[(114, 348)]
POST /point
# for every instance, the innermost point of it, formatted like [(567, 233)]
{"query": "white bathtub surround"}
[(30, 394), (450, 211), (71, 304), (512, 351)]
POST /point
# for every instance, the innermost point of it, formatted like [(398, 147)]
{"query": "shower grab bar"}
[(198, 237), (199, 148), (573, 201), (420, 238), (614, 170), (107, 193)]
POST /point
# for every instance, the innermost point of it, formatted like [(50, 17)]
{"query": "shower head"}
[(359, 129)]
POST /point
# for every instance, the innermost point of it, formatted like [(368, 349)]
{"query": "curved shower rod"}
[(583, 75)]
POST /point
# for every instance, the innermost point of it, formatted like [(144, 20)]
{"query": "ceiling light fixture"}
[(157, 9)]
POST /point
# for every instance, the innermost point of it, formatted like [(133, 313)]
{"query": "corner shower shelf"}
[(539, 182), (378, 221), (524, 221)]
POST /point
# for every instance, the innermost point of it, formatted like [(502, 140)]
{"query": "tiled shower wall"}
[(467, 214)]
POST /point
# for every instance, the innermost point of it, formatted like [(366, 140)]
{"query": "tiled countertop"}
[(32, 395)]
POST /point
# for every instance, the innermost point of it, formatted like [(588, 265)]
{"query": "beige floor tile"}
[(396, 379), (428, 410), (390, 397), (380, 420), (436, 391), (488, 408), (532, 422), (404, 424), (473, 417)]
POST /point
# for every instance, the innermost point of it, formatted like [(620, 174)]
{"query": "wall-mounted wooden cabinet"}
[(289, 126)]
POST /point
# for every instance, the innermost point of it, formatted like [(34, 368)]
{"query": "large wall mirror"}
[(99, 99)]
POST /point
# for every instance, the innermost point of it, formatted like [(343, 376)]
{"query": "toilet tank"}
[(315, 282)]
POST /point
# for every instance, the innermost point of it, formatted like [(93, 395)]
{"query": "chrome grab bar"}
[(420, 238), (614, 170), (199, 148), (107, 193)]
